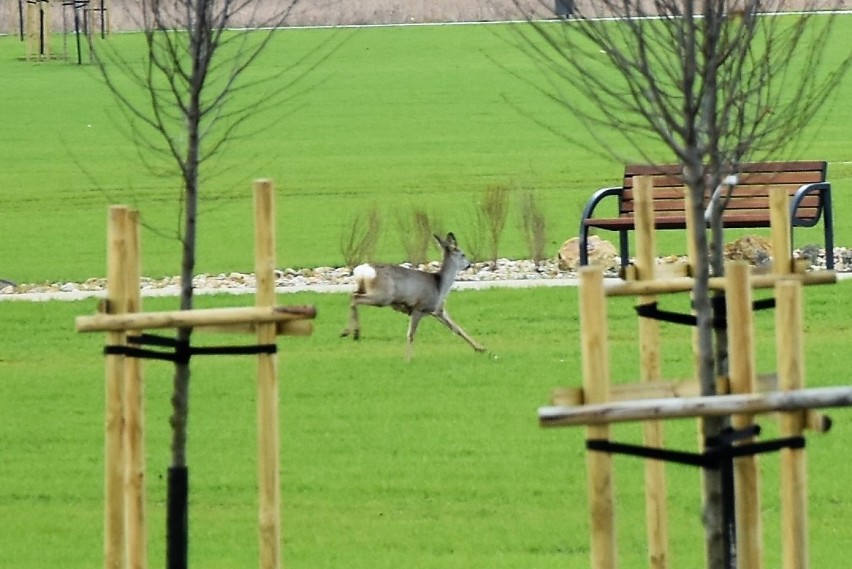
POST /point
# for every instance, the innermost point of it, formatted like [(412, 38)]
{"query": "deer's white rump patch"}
[(364, 272)]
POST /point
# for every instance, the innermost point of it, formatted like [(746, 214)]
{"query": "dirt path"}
[(124, 15)]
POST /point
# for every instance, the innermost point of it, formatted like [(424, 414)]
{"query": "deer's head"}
[(453, 255)]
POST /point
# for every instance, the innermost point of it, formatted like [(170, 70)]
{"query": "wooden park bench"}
[(748, 207)]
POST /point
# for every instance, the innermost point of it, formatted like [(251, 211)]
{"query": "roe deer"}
[(413, 292)]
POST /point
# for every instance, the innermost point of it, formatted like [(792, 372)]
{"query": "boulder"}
[(752, 248), (601, 253)]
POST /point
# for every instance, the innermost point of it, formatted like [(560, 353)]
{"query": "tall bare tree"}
[(719, 83), (184, 101)]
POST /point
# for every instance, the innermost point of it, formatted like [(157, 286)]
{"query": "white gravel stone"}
[(505, 272)]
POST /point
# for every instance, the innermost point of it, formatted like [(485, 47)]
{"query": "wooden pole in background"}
[(117, 252), (743, 380), (650, 371), (134, 447), (791, 373), (267, 381), (595, 353), (692, 255)]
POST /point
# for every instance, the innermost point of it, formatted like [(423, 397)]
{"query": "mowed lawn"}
[(437, 463), (398, 118)]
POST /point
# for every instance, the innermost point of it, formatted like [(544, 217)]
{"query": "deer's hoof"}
[(356, 334)]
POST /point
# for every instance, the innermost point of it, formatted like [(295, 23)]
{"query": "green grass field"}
[(437, 463), (400, 117)]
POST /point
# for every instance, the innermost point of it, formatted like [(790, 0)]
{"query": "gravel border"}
[(505, 274)]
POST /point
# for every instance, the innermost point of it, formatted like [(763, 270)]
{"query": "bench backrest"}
[(751, 195)]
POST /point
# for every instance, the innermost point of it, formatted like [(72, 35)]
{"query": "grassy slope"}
[(434, 464), (400, 117)]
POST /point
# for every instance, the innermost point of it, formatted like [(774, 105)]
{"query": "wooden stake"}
[(779, 221), (134, 447), (791, 373), (743, 380), (649, 343), (595, 353), (267, 381), (114, 552)]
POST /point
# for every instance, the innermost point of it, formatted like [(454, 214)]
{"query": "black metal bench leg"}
[(828, 227), (624, 247)]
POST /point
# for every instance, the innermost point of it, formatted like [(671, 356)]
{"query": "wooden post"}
[(692, 255), (116, 302), (782, 242), (743, 380), (32, 26), (595, 353), (267, 381), (788, 327), (38, 29), (108, 8), (649, 344), (134, 474)]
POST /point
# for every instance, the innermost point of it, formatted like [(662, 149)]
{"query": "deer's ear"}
[(441, 242), (451, 239)]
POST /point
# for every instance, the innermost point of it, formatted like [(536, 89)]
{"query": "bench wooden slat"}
[(733, 221), (761, 190), (676, 170), (754, 179)]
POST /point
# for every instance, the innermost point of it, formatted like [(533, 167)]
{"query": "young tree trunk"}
[(714, 529), (177, 522)]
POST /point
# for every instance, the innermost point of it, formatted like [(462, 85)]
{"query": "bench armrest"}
[(824, 191), (588, 211), (596, 198)]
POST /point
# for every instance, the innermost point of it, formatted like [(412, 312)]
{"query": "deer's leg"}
[(354, 325), (412, 329), (444, 318)]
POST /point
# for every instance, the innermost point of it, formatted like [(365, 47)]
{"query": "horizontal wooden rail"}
[(717, 405), (193, 318), (685, 284), (573, 396), (767, 383)]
